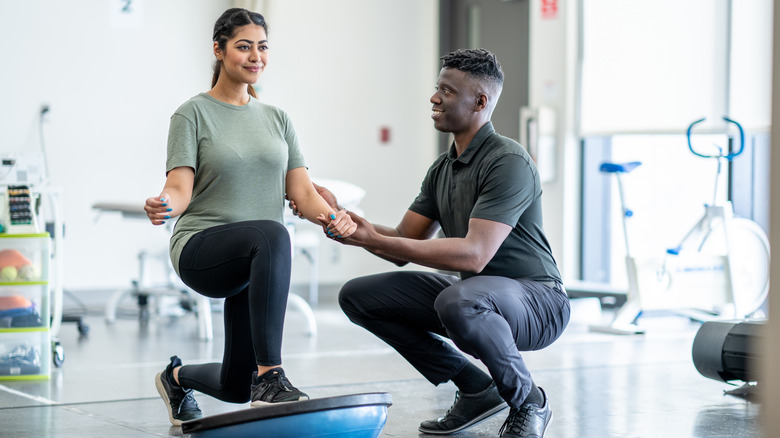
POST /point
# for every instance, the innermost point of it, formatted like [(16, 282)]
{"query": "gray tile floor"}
[(599, 385)]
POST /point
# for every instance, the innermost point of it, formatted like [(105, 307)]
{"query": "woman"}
[(231, 161)]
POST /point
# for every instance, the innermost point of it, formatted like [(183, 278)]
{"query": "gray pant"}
[(491, 318)]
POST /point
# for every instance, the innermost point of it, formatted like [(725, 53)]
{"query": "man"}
[(485, 195)]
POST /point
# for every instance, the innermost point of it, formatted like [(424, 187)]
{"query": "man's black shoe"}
[(468, 410), (529, 421)]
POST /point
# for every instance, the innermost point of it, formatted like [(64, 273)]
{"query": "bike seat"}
[(619, 167)]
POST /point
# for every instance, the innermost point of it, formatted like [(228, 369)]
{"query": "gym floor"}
[(599, 385)]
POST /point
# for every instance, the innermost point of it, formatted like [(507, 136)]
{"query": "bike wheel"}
[(748, 258)]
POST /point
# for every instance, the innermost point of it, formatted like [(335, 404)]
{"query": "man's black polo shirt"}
[(493, 179)]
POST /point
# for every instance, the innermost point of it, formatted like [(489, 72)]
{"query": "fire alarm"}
[(384, 134)]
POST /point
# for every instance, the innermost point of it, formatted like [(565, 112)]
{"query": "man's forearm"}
[(450, 254), (389, 232)]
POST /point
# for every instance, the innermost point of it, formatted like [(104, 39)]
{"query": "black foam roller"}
[(726, 350)]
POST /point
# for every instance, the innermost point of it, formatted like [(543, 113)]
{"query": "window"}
[(648, 70)]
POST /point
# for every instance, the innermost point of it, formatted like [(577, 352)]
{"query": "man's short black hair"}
[(476, 62)]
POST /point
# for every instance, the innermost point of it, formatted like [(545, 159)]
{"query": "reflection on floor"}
[(599, 385)]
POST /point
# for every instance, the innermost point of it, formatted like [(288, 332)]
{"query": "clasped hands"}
[(338, 226), (347, 227)]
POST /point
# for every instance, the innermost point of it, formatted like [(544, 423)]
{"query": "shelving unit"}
[(25, 334)]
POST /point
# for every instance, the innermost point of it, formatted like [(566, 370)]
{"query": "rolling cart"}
[(36, 240), (25, 299)]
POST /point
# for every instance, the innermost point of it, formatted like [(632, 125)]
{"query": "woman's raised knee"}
[(276, 233)]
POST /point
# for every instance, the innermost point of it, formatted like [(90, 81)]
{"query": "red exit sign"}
[(549, 9)]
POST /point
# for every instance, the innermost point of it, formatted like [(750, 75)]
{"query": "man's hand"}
[(362, 236), (328, 196)]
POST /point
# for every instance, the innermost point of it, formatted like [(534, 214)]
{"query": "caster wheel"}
[(83, 329), (58, 354)]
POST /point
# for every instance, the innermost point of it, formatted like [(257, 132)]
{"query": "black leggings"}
[(248, 264)]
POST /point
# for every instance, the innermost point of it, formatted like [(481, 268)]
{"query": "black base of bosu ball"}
[(348, 416), (727, 351)]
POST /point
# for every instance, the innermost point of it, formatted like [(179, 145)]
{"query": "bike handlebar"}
[(726, 156)]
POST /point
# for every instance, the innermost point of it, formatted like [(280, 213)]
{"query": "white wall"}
[(341, 69), (552, 73), (770, 343), (111, 91)]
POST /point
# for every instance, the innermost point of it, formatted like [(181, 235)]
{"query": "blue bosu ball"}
[(348, 416)]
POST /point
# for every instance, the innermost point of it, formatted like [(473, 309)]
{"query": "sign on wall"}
[(126, 13), (549, 9)]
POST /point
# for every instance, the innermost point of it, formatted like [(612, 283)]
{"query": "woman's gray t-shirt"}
[(241, 155)]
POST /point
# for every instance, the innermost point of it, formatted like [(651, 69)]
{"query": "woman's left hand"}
[(339, 225)]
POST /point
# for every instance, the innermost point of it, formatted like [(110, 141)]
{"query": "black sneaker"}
[(273, 387), (529, 421), (179, 401), (468, 410)]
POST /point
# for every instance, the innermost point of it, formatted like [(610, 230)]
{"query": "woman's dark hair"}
[(476, 62), (224, 29)]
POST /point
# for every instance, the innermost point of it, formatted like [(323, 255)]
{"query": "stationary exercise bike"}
[(719, 270)]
